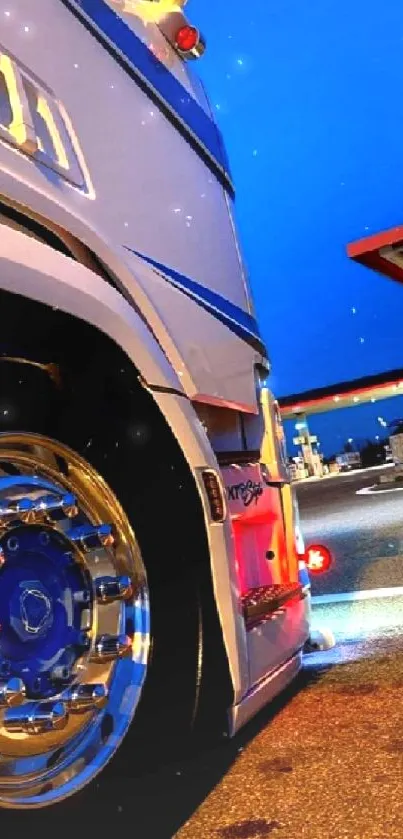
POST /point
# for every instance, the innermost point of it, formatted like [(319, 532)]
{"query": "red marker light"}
[(187, 38), (318, 559)]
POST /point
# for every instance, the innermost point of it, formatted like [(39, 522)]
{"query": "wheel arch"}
[(38, 272), (74, 324)]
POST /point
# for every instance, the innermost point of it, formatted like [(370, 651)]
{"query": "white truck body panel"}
[(145, 192), (157, 213)]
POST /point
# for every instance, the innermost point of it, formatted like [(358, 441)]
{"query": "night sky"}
[(309, 97)]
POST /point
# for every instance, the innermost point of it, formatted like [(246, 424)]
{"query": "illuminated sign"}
[(34, 122)]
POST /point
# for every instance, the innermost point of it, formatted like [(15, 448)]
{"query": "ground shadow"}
[(157, 805)]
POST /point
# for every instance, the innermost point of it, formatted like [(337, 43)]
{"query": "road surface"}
[(362, 527), (327, 763)]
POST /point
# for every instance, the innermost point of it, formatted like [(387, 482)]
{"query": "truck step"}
[(262, 602)]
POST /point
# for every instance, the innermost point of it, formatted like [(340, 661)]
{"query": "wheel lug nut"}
[(89, 537), (12, 692), (25, 509), (69, 505), (36, 718), (13, 543), (109, 589), (82, 698), (111, 647)]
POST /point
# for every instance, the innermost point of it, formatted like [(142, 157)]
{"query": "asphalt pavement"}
[(326, 761), (362, 526)]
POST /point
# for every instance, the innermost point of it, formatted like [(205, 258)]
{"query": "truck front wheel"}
[(108, 618), (74, 621)]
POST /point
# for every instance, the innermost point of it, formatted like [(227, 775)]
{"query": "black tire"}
[(113, 423)]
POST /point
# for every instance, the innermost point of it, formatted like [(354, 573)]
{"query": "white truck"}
[(348, 461), (151, 564)]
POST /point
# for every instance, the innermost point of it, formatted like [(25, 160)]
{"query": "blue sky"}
[(309, 98)]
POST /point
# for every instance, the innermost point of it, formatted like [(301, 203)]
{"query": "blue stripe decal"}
[(183, 110), (241, 323)]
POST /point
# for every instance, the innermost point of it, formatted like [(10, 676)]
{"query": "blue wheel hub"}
[(31, 610), (45, 608)]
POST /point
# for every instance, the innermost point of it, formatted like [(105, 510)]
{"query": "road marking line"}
[(348, 597), (344, 474), (373, 491)]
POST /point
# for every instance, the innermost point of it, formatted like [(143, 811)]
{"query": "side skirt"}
[(263, 693)]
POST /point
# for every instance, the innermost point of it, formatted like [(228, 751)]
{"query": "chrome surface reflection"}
[(74, 618)]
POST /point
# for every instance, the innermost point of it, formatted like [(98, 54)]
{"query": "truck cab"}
[(150, 553)]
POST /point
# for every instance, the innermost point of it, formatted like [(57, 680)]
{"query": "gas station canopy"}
[(382, 252), (343, 394)]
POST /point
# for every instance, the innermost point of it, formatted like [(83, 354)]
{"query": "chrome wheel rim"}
[(74, 622)]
